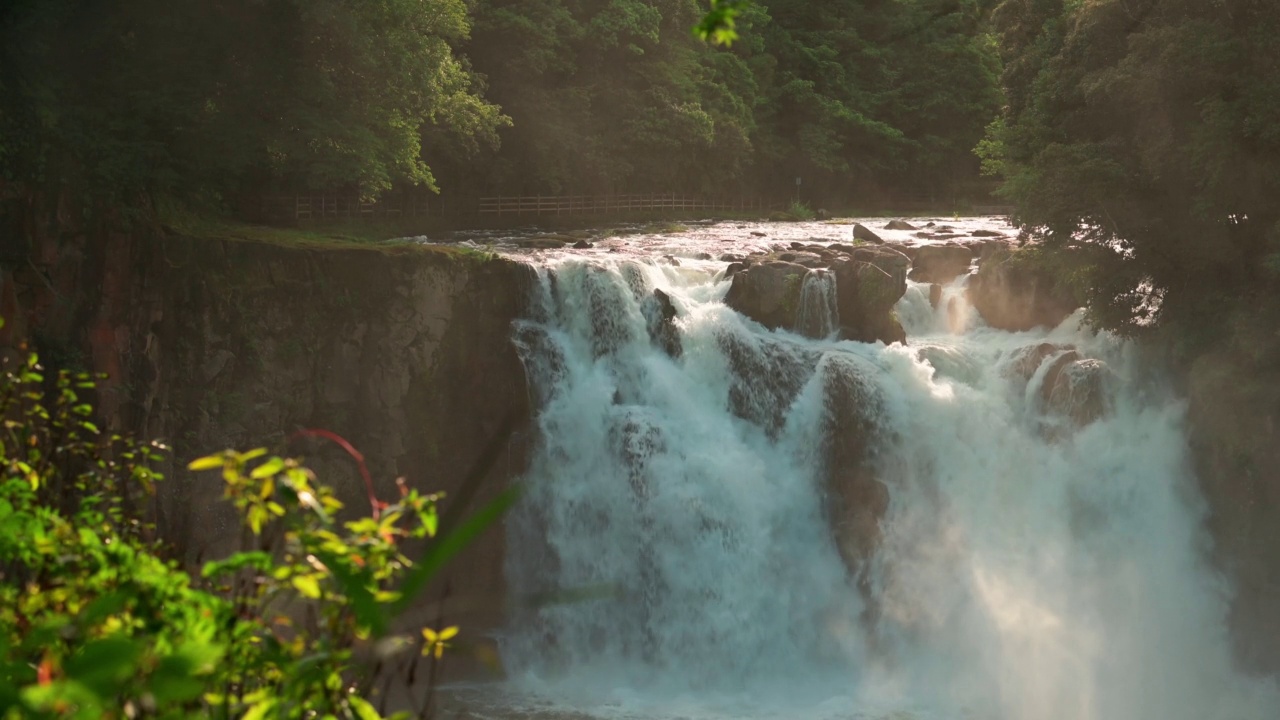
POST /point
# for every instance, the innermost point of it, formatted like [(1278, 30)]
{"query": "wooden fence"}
[(296, 208), (608, 204), (322, 206)]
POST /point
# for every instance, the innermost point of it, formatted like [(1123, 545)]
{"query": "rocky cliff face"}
[(1233, 414), (404, 351)]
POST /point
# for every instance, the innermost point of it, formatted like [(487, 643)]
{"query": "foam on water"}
[(1021, 575)]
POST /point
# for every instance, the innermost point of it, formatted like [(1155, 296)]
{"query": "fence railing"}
[(299, 207), (317, 207), (598, 204)]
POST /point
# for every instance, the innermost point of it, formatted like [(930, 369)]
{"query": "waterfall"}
[(768, 524), (817, 316)]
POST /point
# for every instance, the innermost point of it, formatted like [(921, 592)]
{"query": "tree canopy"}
[(1145, 136), (220, 98)]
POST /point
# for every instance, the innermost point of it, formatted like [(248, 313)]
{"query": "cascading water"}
[(687, 481), (818, 316)]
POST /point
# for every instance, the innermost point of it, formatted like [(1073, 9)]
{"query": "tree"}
[(220, 97), (1144, 135)]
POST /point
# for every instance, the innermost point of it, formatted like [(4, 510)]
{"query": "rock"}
[(659, 314), (899, 225), (1233, 416), (797, 245), (807, 259), (985, 249), (768, 292), (766, 373), (671, 260), (1025, 361), (1016, 296), (703, 256), (1077, 390), (888, 258), (730, 258), (865, 295), (213, 365), (935, 295), (931, 224), (540, 243), (940, 263), (757, 233), (583, 245), (734, 268), (908, 250), (857, 498), (668, 309), (864, 233), (987, 234)]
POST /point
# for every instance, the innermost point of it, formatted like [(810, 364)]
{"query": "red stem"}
[(341, 442)]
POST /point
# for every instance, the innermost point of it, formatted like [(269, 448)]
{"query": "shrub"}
[(95, 623)]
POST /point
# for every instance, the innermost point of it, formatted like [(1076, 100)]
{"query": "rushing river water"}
[(1027, 569)]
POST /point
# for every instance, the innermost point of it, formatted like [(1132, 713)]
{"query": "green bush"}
[(95, 623), (800, 211)]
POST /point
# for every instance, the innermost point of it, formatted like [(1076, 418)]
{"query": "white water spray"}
[(1021, 574)]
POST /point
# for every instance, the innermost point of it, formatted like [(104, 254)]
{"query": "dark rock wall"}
[(213, 344), (1234, 408)]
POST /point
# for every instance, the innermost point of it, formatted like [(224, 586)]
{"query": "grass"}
[(338, 235)]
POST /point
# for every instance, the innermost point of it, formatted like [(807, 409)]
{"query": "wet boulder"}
[(889, 258), (866, 293), (1015, 295), (1077, 390), (660, 314), (1022, 364), (807, 259), (768, 292), (864, 233), (856, 497), (935, 295), (583, 245), (940, 263), (766, 373), (899, 225)]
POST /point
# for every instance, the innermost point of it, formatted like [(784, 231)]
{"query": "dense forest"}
[(1141, 143), (216, 100), (1139, 134)]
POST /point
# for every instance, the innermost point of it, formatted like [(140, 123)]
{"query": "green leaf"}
[(208, 462), (256, 559), (267, 469), (103, 665), (368, 611), (175, 680), (450, 544), (362, 708), (308, 585)]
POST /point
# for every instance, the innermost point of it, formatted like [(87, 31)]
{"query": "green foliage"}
[(798, 211), (719, 24), (221, 101), (95, 624), (212, 98), (859, 98), (1144, 133)]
